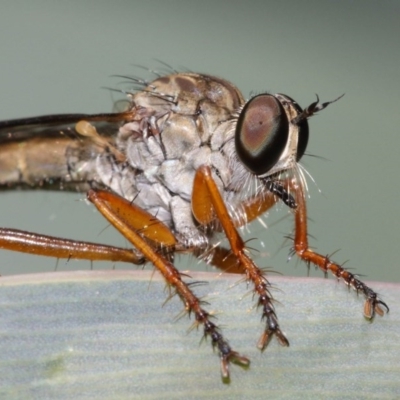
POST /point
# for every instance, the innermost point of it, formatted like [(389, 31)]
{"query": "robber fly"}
[(187, 160)]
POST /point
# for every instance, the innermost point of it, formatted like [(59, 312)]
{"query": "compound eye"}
[(261, 133)]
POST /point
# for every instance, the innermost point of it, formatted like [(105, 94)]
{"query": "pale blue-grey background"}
[(55, 57)]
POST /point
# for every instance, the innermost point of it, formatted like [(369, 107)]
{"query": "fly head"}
[(271, 137)]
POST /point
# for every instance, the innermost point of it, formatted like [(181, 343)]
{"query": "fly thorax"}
[(184, 114)]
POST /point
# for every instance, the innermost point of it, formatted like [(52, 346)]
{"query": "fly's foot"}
[(234, 357), (272, 326), (373, 305), (265, 302), (226, 354), (267, 336)]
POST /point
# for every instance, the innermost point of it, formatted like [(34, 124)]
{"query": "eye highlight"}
[(261, 133)]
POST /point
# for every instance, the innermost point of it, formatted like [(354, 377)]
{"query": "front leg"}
[(373, 304)]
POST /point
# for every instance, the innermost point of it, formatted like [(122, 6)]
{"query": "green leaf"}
[(107, 335)]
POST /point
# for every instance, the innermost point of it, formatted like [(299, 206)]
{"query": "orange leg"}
[(119, 213), (207, 204), (256, 206), (372, 304), (150, 237), (223, 258), (154, 230), (43, 245)]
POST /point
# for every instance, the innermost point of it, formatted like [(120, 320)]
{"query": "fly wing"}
[(54, 125), (47, 152)]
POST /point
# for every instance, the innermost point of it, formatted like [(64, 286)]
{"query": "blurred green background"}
[(55, 57)]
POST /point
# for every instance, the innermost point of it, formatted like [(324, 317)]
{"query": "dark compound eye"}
[(261, 133)]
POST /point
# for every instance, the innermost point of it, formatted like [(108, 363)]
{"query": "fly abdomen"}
[(48, 162)]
